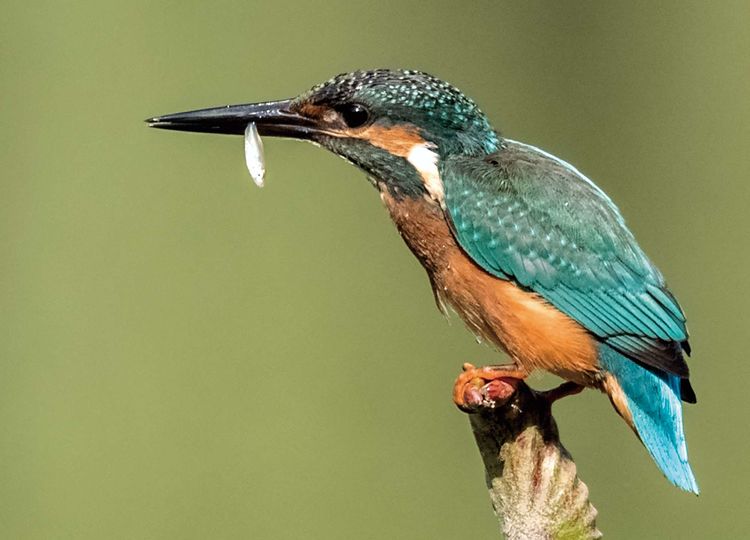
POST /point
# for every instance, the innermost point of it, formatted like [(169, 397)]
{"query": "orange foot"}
[(486, 386)]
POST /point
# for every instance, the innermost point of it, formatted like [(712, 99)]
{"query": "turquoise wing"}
[(524, 215)]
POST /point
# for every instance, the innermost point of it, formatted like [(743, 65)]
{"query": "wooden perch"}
[(532, 480)]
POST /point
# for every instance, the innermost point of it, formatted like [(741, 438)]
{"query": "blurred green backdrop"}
[(185, 356)]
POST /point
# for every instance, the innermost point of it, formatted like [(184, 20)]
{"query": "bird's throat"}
[(425, 160), (407, 143)]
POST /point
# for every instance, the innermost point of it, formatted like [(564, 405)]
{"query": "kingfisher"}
[(532, 255)]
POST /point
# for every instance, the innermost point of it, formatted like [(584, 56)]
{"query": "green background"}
[(185, 356)]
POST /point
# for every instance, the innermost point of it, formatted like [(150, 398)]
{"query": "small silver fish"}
[(254, 160)]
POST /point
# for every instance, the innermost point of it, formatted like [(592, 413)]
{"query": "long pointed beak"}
[(271, 118)]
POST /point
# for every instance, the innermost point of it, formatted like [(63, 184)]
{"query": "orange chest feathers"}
[(535, 334)]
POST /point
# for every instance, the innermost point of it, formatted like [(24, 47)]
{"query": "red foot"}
[(487, 386)]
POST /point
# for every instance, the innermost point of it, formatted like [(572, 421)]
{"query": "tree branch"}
[(531, 478)]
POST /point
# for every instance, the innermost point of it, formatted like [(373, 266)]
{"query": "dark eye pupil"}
[(355, 115)]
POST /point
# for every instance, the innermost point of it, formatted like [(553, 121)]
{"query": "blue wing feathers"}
[(525, 215), (665, 298)]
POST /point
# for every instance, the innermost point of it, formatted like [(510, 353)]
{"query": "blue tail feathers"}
[(655, 405)]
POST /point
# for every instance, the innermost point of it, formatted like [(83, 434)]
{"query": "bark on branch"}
[(531, 478)]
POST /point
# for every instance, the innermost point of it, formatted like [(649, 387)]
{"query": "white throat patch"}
[(423, 157)]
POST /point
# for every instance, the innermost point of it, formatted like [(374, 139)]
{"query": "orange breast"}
[(533, 332)]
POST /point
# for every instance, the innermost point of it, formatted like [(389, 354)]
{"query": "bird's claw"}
[(488, 387)]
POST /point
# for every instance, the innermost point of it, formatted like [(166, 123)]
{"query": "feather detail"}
[(650, 401), (525, 215)]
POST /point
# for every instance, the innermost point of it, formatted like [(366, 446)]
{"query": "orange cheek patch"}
[(398, 140)]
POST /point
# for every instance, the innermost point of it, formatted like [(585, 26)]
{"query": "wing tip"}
[(687, 394)]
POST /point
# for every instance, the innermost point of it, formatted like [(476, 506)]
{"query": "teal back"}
[(524, 215)]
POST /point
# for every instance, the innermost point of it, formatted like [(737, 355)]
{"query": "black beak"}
[(271, 118)]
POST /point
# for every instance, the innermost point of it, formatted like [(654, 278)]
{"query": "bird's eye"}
[(354, 114)]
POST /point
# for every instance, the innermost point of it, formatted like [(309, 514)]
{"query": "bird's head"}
[(394, 124)]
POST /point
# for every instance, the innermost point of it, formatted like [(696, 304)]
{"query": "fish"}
[(256, 164)]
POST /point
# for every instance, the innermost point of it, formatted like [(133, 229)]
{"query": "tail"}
[(650, 401)]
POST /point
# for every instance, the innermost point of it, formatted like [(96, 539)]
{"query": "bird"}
[(532, 255)]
